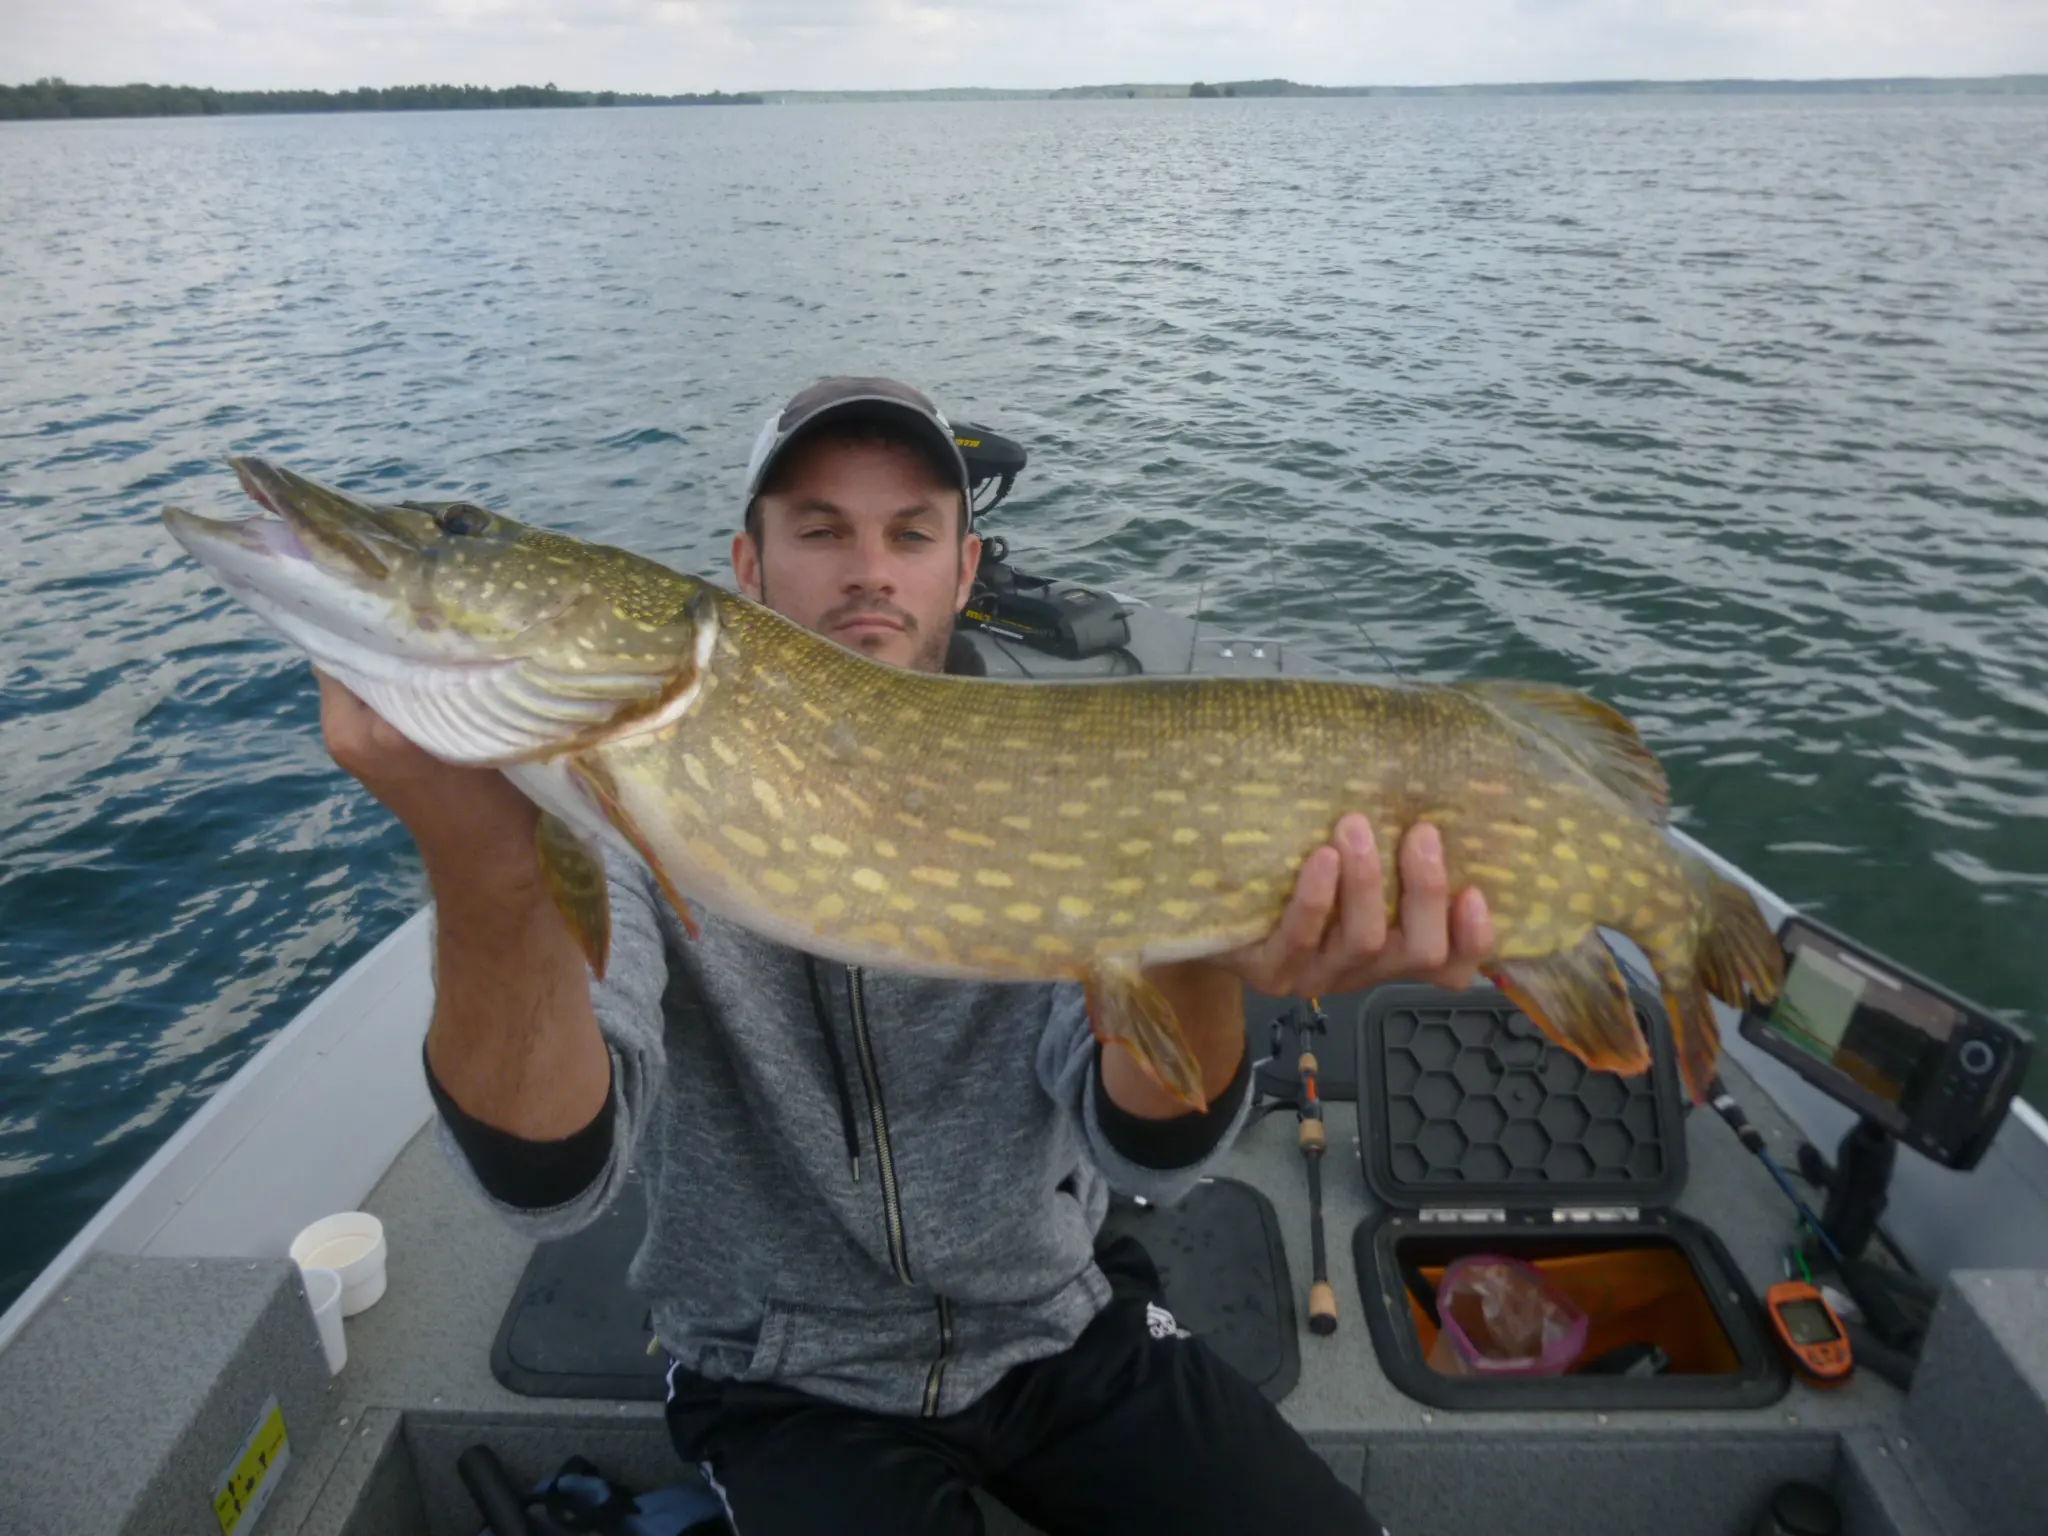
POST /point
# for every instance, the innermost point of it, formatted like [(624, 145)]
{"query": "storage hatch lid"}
[(1463, 1103)]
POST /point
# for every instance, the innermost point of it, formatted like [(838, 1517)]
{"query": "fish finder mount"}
[(1918, 1063)]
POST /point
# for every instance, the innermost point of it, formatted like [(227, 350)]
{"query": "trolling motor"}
[(1061, 618)]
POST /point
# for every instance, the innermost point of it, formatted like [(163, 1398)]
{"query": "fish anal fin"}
[(1124, 1009), (574, 876), (1577, 998), (591, 775), (1597, 737), (1694, 1032)]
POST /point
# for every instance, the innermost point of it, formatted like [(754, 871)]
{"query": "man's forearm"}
[(513, 1040), (1208, 1003)]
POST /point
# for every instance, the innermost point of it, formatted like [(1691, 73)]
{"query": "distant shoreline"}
[(56, 98)]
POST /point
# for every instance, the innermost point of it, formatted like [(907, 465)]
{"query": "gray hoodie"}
[(892, 1229)]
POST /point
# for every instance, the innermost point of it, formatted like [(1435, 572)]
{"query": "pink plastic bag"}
[(1501, 1317)]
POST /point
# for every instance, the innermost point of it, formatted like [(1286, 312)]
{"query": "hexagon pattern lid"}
[(1463, 1102)]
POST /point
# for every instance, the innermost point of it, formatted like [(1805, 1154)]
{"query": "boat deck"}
[(418, 1381)]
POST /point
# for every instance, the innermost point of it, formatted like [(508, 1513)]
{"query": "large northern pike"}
[(975, 828)]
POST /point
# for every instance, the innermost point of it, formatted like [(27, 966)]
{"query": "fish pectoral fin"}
[(1595, 736), (1127, 1010), (590, 773), (1577, 998), (574, 874)]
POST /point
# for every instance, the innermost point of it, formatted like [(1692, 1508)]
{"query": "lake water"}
[(1734, 412)]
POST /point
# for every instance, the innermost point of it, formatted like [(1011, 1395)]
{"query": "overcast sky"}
[(677, 45)]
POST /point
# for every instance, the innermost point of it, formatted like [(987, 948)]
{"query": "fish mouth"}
[(343, 535)]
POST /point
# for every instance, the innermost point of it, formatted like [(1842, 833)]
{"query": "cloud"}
[(669, 45)]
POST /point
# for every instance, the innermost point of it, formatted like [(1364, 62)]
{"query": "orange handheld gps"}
[(1810, 1332)]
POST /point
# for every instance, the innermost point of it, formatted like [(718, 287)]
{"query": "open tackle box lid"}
[(1475, 1129), (1465, 1103)]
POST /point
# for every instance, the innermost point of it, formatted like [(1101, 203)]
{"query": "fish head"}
[(482, 639)]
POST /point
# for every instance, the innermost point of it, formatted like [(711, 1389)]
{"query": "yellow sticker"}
[(251, 1478)]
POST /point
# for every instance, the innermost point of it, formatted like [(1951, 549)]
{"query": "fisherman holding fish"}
[(873, 1197)]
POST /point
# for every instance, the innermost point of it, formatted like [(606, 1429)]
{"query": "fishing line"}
[(1273, 545)]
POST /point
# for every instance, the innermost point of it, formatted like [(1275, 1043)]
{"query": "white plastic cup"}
[(352, 1245), (323, 1295)]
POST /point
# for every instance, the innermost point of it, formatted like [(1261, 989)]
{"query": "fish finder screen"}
[(1807, 1322), (1878, 1031)]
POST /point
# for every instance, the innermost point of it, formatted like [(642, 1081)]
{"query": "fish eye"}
[(462, 518)]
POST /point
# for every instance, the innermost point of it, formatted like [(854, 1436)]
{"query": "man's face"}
[(860, 545)]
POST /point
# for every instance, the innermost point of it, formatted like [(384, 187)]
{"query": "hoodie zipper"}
[(935, 1378), (878, 1119)]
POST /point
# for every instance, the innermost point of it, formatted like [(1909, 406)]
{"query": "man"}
[(873, 1198)]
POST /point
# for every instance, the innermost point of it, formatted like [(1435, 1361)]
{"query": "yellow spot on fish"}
[(700, 776), (1581, 902), (1290, 757), (1515, 829), (745, 841), (1564, 853), (1134, 847), (1100, 781), (1047, 944), (1075, 906), (1546, 882), (789, 757), (1597, 873), (1023, 912), (1314, 807), (779, 883), (1487, 787), (690, 804), (814, 712), (1178, 910), (870, 879), (971, 839), (1212, 809), (874, 754), (877, 933), (915, 823), (1119, 919), (1636, 878), (934, 940), (1185, 835), (726, 755), (1169, 797), (991, 786), (1244, 839), (1491, 872), (811, 799), (1129, 885), (1610, 840), (1131, 754), (1535, 802), (771, 802), (994, 879), (1645, 919), (989, 954), (1566, 825), (867, 811), (1204, 879), (1017, 823), (884, 848), (831, 847), (1066, 760), (1538, 913), (1257, 791), (964, 914), (1074, 808), (949, 879), (1057, 860), (827, 907), (902, 903)]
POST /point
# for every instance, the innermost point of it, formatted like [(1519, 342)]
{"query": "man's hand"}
[(513, 1039), (1333, 936), (467, 819)]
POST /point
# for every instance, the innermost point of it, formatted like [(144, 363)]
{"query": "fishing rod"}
[(1310, 1134)]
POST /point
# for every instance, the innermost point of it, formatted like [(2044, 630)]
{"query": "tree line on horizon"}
[(55, 97)]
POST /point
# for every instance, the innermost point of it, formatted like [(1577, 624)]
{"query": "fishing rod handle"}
[(1322, 1309)]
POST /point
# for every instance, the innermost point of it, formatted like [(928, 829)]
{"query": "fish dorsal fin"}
[(1595, 736)]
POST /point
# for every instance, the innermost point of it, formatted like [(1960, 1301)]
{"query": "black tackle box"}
[(1478, 1136)]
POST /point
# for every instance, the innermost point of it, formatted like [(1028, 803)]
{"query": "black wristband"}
[(1180, 1142), (528, 1175)]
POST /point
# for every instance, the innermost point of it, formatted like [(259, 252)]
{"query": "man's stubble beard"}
[(932, 647)]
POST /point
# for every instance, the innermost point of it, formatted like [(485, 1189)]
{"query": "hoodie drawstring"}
[(838, 1066)]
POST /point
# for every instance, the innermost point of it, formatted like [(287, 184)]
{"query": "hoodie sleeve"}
[(548, 1189), (1155, 1160)]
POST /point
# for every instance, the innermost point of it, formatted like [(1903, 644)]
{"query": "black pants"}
[(1134, 1430)]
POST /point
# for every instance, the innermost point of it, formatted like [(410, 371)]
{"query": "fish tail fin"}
[(1127, 1010), (1735, 958), (574, 876), (1577, 998)]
